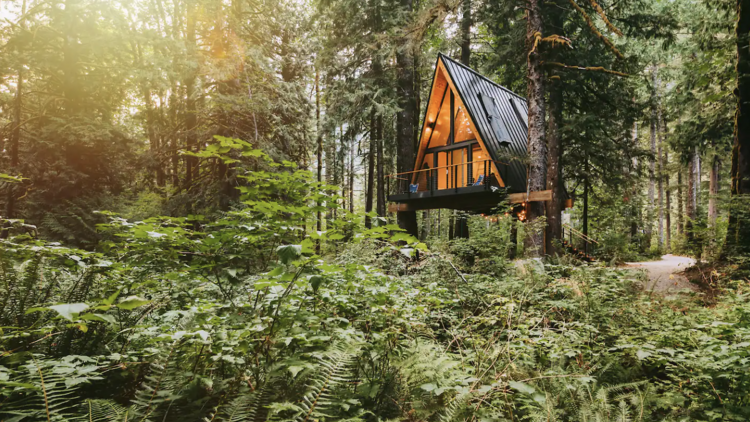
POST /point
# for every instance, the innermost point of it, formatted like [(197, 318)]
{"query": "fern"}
[(105, 411), (44, 393), (336, 371)]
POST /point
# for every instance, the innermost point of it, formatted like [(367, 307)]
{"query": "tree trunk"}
[(692, 200), (191, 138), (381, 175), (586, 187), (330, 163), (633, 192), (466, 23), (14, 144), (668, 205), (738, 234), (153, 140), (536, 133), (174, 138), (554, 170), (351, 178), (713, 192), (660, 185), (680, 205), (664, 179), (371, 168), (318, 155), (407, 220)]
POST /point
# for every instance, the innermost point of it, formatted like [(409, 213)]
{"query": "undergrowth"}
[(239, 318)]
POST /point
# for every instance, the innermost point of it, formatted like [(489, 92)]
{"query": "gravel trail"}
[(662, 274)]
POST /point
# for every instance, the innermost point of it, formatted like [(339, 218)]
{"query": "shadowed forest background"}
[(195, 223)]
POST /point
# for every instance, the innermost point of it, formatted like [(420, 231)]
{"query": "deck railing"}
[(453, 176), (587, 244)]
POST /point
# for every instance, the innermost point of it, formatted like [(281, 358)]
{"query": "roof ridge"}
[(480, 75)]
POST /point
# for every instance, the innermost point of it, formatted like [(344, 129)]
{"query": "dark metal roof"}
[(503, 129)]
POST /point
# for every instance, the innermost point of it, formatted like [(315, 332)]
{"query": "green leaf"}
[(69, 310), (428, 387), (289, 253), (99, 317), (642, 354), (521, 387), (111, 299), (315, 282), (132, 302)]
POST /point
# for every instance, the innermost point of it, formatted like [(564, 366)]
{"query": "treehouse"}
[(472, 146)]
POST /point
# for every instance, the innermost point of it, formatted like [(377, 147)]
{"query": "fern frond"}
[(105, 411), (336, 365)]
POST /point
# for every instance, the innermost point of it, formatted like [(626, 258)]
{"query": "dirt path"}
[(659, 273)]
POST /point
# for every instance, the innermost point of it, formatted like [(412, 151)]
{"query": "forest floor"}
[(663, 274)]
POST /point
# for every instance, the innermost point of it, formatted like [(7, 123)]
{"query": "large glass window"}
[(463, 128), (442, 126)]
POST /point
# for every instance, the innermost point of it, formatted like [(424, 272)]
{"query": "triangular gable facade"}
[(488, 128)]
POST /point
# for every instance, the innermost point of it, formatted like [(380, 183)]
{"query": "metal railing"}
[(453, 176), (573, 236)]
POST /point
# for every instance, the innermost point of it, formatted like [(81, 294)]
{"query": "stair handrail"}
[(579, 234)]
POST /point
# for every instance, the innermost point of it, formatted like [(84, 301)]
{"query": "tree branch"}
[(600, 11), (592, 69), (591, 25)]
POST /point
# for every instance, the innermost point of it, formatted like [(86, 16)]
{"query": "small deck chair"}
[(413, 188), (480, 180)]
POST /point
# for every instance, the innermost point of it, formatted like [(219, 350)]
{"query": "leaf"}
[(132, 302), (99, 317), (308, 247), (289, 253), (642, 354), (110, 300), (521, 387), (67, 310), (315, 282), (428, 387)]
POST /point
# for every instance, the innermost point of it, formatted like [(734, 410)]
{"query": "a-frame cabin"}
[(472, 144)]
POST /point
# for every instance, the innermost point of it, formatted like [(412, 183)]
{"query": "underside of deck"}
[(468, 198)]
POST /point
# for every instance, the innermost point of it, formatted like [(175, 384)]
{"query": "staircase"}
[(586, 245)]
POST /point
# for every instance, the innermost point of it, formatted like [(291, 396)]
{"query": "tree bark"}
[(713, 192), (407, 220), (14, 144), (191, 139), (318, 155), (648, 225), (692, 199), (371, 168), (660, 168), (713, 212), (633, 191), (668, 205), (680, 205), (381, 176), (738, 234), (554, 169), (351, 178), (466, 23), (537, 130), (586, 188)]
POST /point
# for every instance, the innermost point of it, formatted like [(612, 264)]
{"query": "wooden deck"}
[(469, 198)]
